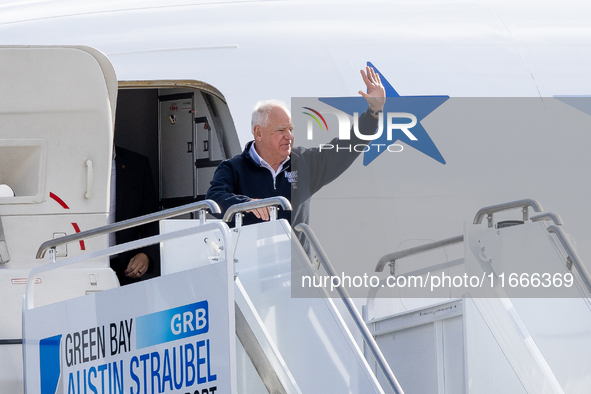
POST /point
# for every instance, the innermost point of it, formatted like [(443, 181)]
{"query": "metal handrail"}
[(369, 339), (523, 204), (121, 248), (548, 216), (392, 257), (254, 204), (111, 228), (573, 256)]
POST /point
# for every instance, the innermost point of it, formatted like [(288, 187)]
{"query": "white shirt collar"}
[(262, 163)]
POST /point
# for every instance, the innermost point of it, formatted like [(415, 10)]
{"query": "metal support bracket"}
[(52, 255)]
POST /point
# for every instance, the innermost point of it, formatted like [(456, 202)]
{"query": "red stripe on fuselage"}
[(77, 229), (59, 200)]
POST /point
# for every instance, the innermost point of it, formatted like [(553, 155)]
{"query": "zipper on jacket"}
[(275, 177)]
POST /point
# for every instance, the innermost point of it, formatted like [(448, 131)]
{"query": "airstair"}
[(489, 339), (529, 333), (285, 344)]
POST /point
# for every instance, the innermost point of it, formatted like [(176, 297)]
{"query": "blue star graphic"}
[(419, 106)]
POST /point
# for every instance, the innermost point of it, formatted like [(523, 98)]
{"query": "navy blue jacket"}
[(241, 179)]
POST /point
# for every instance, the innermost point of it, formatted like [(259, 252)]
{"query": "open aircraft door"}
[(56, 133)]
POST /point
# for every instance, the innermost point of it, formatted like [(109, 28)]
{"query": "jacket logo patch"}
[(292, 176)]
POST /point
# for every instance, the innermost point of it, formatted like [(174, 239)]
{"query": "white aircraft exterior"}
[(239, 52)]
